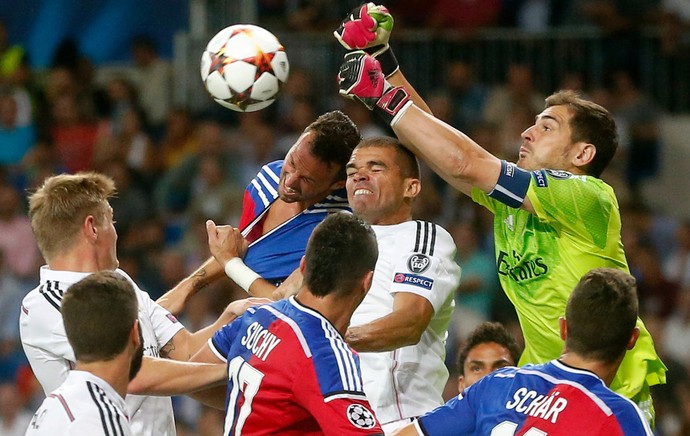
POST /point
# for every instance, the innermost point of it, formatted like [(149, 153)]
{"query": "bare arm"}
[(185, 344), (215, 396), (164, 377), (404, 326), (176, 299), (408, 430), (450, 153)]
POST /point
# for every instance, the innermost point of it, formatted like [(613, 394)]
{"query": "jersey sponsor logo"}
[(523, 270), (510, 222), (540, 178), (559, 174), (360, 416), (546, 407), (418, 263), (259, 340), (414, 280)]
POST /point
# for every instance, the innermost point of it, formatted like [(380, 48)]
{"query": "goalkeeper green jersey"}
[(541, 257)]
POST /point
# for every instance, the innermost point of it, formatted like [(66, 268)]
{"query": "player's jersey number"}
[(507, 428), (246, 381)]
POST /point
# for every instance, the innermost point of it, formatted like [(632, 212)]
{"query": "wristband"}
[(393, 104), (389, 63), (240, 273)]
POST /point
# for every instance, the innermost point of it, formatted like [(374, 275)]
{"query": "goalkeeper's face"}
[(305, 178), (548, 143)]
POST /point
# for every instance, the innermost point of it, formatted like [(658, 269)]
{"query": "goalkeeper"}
[(554, 218)]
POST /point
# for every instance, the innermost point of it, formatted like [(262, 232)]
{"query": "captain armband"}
[(511, 187), (240, 273)]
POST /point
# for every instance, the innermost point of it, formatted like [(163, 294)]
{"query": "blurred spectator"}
[(657, 295), (467, 96), (14, 417), (11, 57), (639, 116), (16, 237), (131, 205), (464, 16), (180, 140), (154, 79), (302, 113), (212, 196), (73, 133), (509, 105), (15, 139), (677, 264), (478, 284), (676, 335)]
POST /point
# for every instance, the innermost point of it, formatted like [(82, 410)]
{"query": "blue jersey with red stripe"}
[(277, 253), (291, 373), (552, 399)]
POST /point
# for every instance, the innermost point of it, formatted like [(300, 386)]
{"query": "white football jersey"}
[(51, 357), (417, 257), (83, 405)]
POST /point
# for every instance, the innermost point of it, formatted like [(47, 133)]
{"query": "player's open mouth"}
[(363, 192)]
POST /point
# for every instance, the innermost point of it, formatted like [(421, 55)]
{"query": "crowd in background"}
[(174, 169)]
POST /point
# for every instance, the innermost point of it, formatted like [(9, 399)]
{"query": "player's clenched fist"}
[(360, 78), (367, 26)]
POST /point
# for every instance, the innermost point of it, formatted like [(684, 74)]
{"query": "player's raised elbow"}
[(476, 169)]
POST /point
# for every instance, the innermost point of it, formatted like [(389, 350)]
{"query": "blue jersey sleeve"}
[(222, 339), (457, 416)]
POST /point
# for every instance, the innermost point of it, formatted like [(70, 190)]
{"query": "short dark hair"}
[(601, 314), (591, 123), (489, 332), (98, 313), (334, 137), (406, 160), (340, 251)]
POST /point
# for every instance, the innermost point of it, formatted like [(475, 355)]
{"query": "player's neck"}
[(74, 260), (605, 371), (337, 311), (115, 372)]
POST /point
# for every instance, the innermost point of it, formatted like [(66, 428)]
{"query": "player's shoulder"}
[(417, 236)]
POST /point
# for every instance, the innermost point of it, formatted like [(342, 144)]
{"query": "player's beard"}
[(137, 359)]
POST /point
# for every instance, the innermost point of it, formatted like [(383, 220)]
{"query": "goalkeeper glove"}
[(368, 27), (360, 78)]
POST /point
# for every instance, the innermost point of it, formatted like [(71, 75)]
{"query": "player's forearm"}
[(384, 334), (163, 377), (262, 288), (450, 153), (175, 299), (399, 79)]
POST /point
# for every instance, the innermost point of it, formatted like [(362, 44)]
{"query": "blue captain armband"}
[(512, 185)]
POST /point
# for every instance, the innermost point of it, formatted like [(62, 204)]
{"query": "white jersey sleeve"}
[(43, 336), (424, 264), (163, 324)]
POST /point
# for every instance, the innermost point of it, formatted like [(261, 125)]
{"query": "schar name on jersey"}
[(414, 280)]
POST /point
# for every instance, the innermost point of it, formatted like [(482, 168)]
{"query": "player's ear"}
[(563, 327), (89, 228), (338, 184), (366, 281), (135, 335), (461, 383), (412, 187), (633, 338), (585, 154), (302, 265)]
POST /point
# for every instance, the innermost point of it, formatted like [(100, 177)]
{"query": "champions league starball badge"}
[(418, 263)]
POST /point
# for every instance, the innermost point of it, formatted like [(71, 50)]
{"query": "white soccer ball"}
[(244, 67)]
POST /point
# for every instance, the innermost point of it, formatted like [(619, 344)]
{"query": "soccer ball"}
[(244, 67)]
